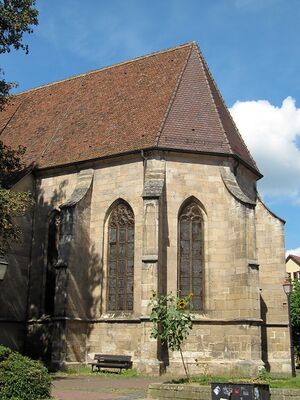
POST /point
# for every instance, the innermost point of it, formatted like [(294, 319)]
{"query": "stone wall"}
[(271, 257), (231, 287), (114, 181), (243, 313), (51, 192), (226, 335), (14, 286)]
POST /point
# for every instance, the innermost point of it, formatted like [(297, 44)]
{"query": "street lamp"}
[(288, 287)]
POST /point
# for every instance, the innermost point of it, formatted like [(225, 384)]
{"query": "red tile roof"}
[(296, 259), (164, 100)]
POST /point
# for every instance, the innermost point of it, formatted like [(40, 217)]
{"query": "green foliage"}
[(22, 378), (16, 18), (5, 88), (295, 304), (295, 318), (171, 318), (10, 163), (272, 381), (4, 352), (12, 204), (264, 375), (172, 321)]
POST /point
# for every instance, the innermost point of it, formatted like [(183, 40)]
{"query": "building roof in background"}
[(166, 100), (296, 259)]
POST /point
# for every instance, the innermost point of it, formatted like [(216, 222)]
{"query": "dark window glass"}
[(190, 271), (120, 258)]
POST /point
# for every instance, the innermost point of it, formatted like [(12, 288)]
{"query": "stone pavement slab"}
[(101, 387)]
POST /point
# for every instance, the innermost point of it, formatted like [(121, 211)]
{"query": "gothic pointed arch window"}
[(120, 258), (190, 253)]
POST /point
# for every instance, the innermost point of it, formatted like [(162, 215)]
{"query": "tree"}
[(295, 317), (172, 321), (16, 18)]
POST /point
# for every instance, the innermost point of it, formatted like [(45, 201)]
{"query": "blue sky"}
[(251, 46)]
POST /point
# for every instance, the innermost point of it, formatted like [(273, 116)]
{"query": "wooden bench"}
[(111, 361)]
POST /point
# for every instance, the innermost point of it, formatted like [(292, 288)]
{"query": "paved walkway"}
[(101, 387)]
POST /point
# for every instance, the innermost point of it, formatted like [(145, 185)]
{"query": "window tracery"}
[(191, 260), (120, 258)]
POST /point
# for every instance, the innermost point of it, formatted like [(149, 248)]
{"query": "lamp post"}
[(288, 287)]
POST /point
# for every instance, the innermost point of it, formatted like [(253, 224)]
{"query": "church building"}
[(142, 183)]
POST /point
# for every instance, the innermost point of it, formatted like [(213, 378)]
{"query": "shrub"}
[(22, 378)]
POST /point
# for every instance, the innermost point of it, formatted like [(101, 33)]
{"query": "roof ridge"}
[(205, 68), (172, 98), (224, 104), (97, 113), (107, 67), (293, 257)]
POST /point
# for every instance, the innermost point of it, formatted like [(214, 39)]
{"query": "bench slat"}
[(111, 361), (111, 357), (108, 365)]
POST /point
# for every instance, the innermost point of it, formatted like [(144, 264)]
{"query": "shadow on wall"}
[(13, 286), (162, 349), (39, 326), (264, 336), (64, 280)]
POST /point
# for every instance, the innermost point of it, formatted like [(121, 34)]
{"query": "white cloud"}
[(271, 134), (295, 252)]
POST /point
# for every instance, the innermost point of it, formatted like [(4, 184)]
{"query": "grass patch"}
[(285, 383), (273, 382), (87, 371)]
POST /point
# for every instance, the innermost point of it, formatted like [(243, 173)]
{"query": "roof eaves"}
[(218, 153), (79, 164)]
